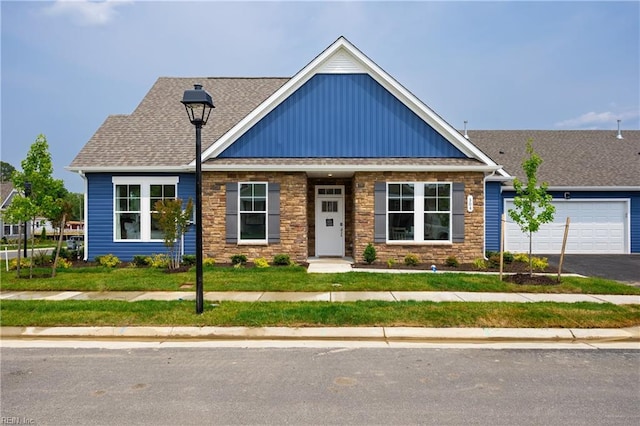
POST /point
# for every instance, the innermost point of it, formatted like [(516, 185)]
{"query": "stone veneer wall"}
[(293, 217), (470, 249)]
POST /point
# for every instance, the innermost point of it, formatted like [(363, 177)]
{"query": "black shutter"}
[(231, 233), (380, 212), (273, 210), (458, 201)]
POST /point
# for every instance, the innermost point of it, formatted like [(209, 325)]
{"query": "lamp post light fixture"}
[(27, 193), (198, 104)]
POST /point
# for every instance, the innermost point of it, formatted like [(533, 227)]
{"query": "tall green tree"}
[(6, 170), (45, 191), (532, 203)]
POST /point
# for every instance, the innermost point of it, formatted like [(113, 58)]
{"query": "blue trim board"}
[(341, 116)]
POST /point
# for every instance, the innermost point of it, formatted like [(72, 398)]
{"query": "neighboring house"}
[(321, 164), (8, 230), (594, 177), (72, 227)]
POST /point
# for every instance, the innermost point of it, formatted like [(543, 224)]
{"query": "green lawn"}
[(291, 279), (316, 314)]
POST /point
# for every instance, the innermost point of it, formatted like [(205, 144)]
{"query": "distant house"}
[(323, 163), (8, 230)]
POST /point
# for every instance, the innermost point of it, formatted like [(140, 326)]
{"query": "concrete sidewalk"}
[(332, 296)]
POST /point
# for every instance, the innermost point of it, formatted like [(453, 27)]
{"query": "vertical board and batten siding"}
[(492, 214), (100, 218), (494, 211), (341, 116)]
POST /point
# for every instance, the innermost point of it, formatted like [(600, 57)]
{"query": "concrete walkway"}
[(330, 296)]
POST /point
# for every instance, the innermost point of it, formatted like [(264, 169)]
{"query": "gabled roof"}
[(6, 190), (158, 134), (344, 58), (571, 158)]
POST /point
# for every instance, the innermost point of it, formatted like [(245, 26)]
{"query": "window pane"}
[(401, 226), (252, 226), (429, 204), (134, 191), (259, 190), (156, 191), (430, 190), (128, 226), (407, 205), (246, 190), (444, 189), (394, 205), (156, 232), (246, 204), (436, 226), (122, 205), (260, 205), (407, 189), (169, 191), (394, 189), (121, 191), (443, 204), (134, 205)]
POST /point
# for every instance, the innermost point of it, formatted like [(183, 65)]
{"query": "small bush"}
[(140, 261), (282, 260), (24, 263), (159, 261), (64, 254), (391, 262), (189, 259), (411, 260), (63, 263), (539, 263), (494, 261), (41, 259), (209, 262), (238, 259), (480, 264), (261, 262), (452, 261), (507, 257), (108, 260), (369, 254), (521, 257)]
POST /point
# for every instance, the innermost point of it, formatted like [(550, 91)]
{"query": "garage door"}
[(596, 227)]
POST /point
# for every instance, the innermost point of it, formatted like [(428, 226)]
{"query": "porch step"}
[(329, 265)]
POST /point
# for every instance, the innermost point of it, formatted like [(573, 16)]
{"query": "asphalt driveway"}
[(619, 267)]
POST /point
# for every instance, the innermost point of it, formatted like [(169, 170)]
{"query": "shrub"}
[(209, 262), (108, 260), (480, 264), (507, 257), (452, 261), (494, 260), (160, 260), (189, 259), (24, 263), (539, 263), (391, 262), (64, 263), (41, 259), (140, 260), (282, 260), (238, 259), (411, 259), (369, 254), (64, 254), (521, 257), (261, 262)]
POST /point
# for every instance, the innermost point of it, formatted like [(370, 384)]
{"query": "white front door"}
[(330, 220)]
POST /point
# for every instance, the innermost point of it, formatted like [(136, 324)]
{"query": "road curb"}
[(631, 334)]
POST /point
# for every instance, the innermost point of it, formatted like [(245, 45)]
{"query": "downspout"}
[(85, 215)]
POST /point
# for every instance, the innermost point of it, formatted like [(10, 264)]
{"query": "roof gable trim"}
[(343, 57)]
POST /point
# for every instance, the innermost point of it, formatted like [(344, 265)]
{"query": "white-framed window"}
[(134, 200), (252, 212), (419, 211)]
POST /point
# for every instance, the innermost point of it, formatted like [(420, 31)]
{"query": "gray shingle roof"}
[(5, 191), (158, 133), (570, 157)]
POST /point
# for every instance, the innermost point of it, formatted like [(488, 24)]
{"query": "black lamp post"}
[(198, 104), (27, 193)]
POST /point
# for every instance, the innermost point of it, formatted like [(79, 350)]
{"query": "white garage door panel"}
[(596, 227)]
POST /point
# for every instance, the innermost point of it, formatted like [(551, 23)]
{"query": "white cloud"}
[(596, 120), (85, 12)]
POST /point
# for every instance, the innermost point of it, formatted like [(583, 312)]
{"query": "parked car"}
[(75, 242)]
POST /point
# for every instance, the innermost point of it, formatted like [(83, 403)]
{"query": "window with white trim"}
[(419, 211), (135, 218), (252, 211)]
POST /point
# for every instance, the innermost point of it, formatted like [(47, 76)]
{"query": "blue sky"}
[(67, 65)]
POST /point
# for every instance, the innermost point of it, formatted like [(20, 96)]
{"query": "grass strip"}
[(316, 314), (291, 279)]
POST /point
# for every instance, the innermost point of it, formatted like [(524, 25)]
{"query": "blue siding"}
[(492, 214), (634, 196), (100, 218), (341, 116)]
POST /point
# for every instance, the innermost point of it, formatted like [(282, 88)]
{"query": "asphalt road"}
[(319, 386)]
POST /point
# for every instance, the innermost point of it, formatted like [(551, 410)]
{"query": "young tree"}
[(532, 204), (174, 223), (37, 174), (6, 170)]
